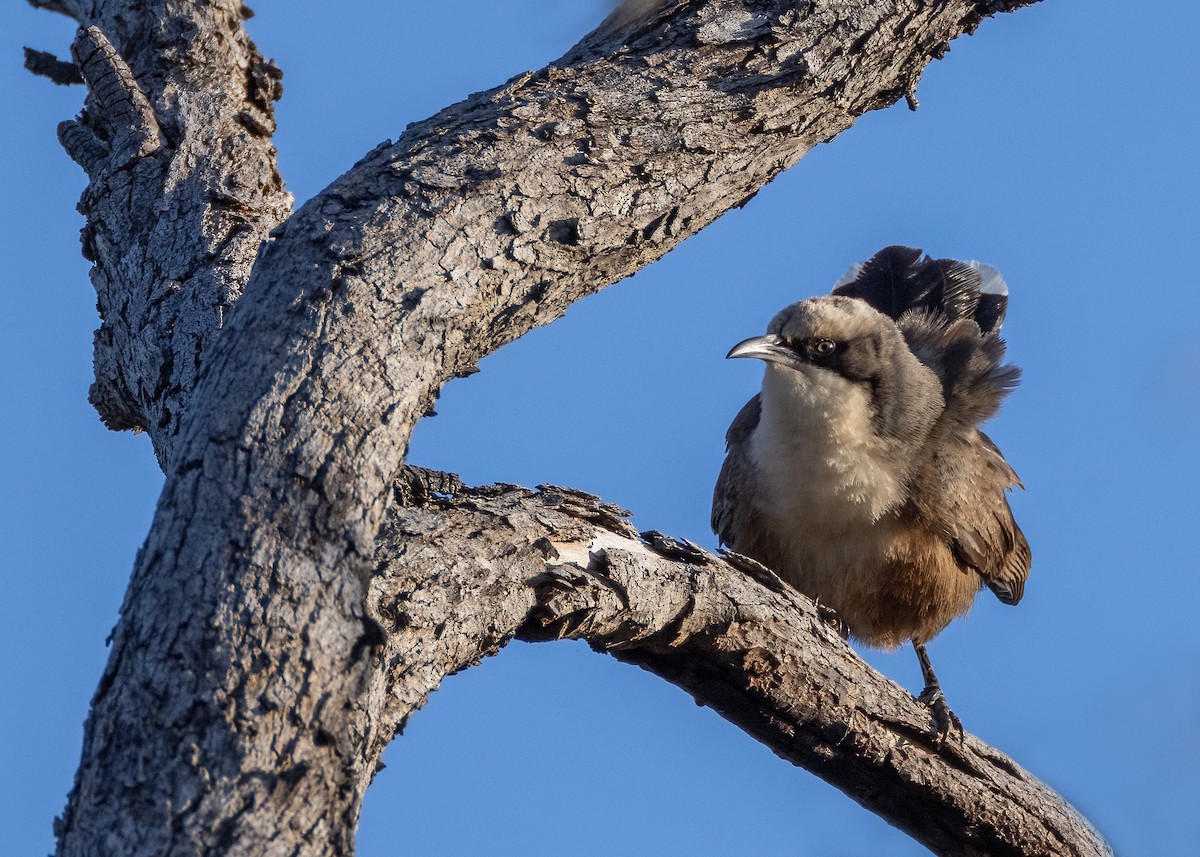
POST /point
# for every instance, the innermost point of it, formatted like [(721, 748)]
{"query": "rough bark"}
[(183, 190), (468, 569), (266, 651)]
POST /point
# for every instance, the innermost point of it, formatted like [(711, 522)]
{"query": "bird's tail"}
[(900, 279)]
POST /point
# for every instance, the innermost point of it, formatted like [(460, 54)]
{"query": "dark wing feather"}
[(735, 516), (729, 507)]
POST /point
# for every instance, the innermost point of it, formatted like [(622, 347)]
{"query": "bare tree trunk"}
[(296, 600)]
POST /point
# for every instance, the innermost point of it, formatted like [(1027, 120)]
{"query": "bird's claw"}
[(834, 620), (945, 721)]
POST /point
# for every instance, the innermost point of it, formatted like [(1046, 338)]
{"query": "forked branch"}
[(287, 613)]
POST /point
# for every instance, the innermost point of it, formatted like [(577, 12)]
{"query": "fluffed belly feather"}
[(890, 581)]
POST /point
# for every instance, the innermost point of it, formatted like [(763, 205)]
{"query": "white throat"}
[(819, 460)]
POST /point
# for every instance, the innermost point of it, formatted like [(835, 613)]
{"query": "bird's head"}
[(845, 336), (838, 349)]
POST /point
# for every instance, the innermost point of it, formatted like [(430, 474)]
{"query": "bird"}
[(859, 474)]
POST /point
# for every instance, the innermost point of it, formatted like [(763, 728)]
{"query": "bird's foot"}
[(944, 720), (834, 620)]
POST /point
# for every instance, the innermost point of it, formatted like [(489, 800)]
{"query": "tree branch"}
[(49, 66), (176, 140), (528, 196), (557, 563), (265, 652)]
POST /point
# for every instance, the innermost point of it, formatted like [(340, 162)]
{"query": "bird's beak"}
[(769, 348)]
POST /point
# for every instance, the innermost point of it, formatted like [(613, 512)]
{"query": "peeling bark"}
[(294, 603)]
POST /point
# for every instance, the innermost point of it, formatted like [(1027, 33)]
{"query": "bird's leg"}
[(932, 696)]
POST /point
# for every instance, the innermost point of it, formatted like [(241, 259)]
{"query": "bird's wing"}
[(965, 476), (730, 509), (965, 500)]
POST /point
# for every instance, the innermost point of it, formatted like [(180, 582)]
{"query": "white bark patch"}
[(735, 26), (579, 554)]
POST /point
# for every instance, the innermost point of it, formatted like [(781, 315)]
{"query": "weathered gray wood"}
[(556, 563), (49, 66), (184, 188), (266, 651)]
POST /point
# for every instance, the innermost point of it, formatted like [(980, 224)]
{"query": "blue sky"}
[(1058, 144)]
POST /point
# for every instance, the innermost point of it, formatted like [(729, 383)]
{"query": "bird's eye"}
[(824, 346)]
